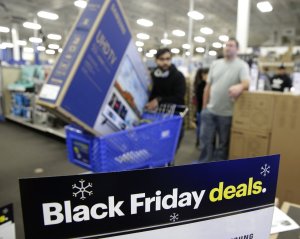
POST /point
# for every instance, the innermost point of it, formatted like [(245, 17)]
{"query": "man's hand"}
[(152, 105), (235, 91)]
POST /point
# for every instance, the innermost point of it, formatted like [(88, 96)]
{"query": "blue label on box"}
[(98, 67), (65, 63)]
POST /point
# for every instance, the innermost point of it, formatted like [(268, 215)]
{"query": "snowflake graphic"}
[(265, 170), (82, 190), (174, 217)]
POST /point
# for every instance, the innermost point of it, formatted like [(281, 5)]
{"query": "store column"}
[(15, 39), (243, 18)]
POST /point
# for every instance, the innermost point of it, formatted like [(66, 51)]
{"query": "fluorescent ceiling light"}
[(48, 15), (196, 15), (60, 50), (178, 33), (53, 46), (8, 45), (199, 39), (22, 43), (4, 29), (149, 55), (55, 37), (265, 6), (143, 36), (144, 22), (2, 47), (153, 51), (200, 50), (41, 48), (224, 38), (186, 46), (32, 25), (28, 50), (166, 41), (187, 53), (206, 30), (140, 49), (217, 45), (50, 52), (212, 53), (139, 43), (80, 3), (175, 50), (36, 40)]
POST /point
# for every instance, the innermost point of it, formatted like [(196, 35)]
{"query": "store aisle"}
[(23, 151)]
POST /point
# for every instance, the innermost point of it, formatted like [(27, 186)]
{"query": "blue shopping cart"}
[(152, 144)]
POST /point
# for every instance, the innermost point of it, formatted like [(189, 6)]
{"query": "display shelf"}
[(57, 132), (276, 64)]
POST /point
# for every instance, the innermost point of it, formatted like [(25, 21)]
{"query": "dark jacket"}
[(168, 87), (280, 82)]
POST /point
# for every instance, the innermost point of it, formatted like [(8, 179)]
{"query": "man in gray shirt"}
[(228, 78)]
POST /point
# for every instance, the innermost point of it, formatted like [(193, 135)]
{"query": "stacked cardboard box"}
[(269, 123)]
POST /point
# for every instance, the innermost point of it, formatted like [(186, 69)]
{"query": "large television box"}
[(100, 81)]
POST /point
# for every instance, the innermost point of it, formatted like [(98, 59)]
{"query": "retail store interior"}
[(39, 122)]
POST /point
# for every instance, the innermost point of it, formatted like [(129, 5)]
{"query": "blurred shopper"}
[(199, 86), (227, 79), (281, 81), (169, 85)]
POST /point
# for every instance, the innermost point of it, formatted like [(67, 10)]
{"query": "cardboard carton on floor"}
[(99, 81), (285, 141), (254, 111), (246, 144)]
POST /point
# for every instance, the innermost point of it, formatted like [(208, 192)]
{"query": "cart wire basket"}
[(151, 144)]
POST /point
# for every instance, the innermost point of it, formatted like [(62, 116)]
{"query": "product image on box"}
[(100, 81)]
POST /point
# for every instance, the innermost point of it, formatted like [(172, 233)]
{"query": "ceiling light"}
[(55, 37), (200, 50), (60, 50), (2, 47), (80, 3), (212, 53), (175, 50), (140, 49), (8, 45), (199, 39), (153, 52), (196, 15), (265, 6), (32, 25), (178, 33), (144, 22), (28, 50), (206, 30), (36, 40), (187, 53), (143, 36), (50, 52), (217, 45), (4, 29), (53, 46), (41, 48), (22, 43), (186, 46), (139, 43), (149, 55), (224, 38), (166, 41), (48, 15)]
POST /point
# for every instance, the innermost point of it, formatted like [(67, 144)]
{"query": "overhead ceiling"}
[(167, 15)]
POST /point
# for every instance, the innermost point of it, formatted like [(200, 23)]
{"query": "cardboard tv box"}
[(100, 81), (285, 141), (245, 143), (254, 111)]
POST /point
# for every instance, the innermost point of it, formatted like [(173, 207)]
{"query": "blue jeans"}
[(212, 125)]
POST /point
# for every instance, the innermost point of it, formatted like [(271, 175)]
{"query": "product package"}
[(100, 81)]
